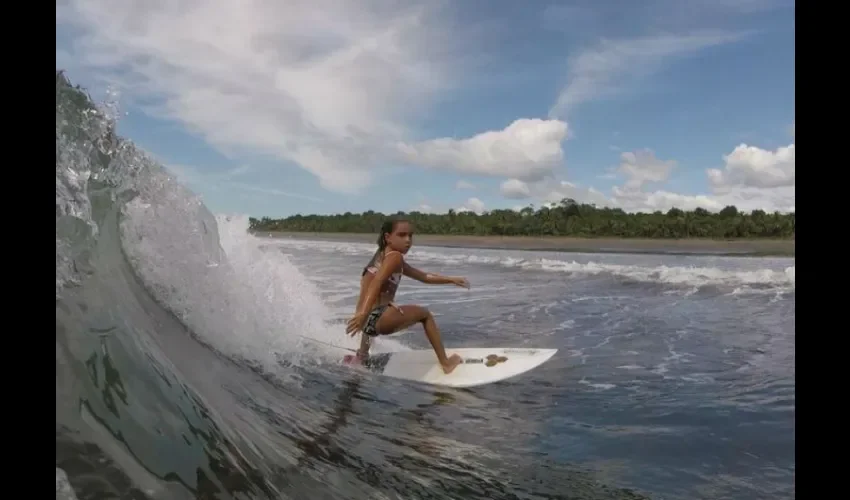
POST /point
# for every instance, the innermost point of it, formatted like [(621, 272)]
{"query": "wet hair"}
[(387, 227)]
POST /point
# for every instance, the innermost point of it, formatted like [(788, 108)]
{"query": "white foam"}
[(223, 285), (599, 386), (64, 491)]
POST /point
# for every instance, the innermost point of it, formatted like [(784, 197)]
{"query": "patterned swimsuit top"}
[(372, 268)]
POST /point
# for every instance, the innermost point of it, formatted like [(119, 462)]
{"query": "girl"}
[(376, 313)]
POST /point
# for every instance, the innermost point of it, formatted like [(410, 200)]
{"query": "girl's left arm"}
[(433, 279)]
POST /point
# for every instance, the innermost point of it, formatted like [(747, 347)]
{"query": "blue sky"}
[(331, 106)]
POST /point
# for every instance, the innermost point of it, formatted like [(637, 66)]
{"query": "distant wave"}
[(684, 276)]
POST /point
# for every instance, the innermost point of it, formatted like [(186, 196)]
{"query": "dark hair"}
[(387, 227)]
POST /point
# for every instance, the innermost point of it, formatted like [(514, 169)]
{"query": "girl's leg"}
[(365, 343), (392, 321)]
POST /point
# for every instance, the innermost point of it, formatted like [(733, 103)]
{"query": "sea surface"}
[(196, 361)]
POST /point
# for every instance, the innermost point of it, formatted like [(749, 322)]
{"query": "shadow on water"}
[(416, 459)]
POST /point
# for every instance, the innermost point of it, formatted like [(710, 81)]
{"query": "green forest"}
[(568, 218)]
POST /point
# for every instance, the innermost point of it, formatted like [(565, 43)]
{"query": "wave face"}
[(196, 361)]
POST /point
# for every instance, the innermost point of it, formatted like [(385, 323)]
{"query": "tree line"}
[(568, 218)]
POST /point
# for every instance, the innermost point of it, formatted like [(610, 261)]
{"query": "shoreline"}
[(691, 246)]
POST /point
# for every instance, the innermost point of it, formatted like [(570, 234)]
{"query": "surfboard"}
[(480, 366)]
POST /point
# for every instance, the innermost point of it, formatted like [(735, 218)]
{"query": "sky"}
[(272, 108)]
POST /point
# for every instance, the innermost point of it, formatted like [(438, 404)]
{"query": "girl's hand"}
[(461, 281), (355, 324)]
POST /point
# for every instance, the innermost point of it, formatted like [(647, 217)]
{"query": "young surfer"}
[(376, 312)]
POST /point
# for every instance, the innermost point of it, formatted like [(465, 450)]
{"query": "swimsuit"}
[(370, 328)]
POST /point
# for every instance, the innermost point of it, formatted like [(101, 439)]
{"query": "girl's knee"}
[(420, 313), (415, 313)]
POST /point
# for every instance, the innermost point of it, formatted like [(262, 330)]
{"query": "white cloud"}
[(614, 64), (472, 205), (325, 84), (515, 189), (196, 177), (462, 184), (332, 87), (749, 166), (201, 181), (642, 166), (550, 191), (555, 192), (527, 149), (274, 191), (642, 201), (746, 199), (752, 178)]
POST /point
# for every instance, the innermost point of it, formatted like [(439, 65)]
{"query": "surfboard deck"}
[(480, 366)]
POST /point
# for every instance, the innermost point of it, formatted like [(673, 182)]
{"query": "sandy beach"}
[(784, 248)]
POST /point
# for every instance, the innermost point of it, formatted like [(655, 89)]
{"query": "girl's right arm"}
[(364, 305), (392, 263), (364, 285)]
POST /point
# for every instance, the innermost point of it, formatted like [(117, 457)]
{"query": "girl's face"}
[(401, 238)]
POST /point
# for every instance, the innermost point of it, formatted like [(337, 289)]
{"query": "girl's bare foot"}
[(452, 363)]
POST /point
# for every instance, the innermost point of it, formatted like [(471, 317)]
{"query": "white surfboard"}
[(480, 366)]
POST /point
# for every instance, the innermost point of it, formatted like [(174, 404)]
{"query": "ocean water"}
[(192, 359)]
